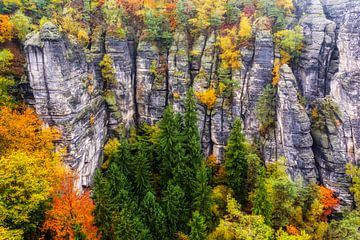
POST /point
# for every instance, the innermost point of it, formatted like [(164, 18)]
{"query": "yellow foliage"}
[(92, 120), (111, 147), (208, 97), (230, 53), (285, 4), (276, 72), (245, 28), (285, 57), (176, 95), (208, 13), (83, 36)]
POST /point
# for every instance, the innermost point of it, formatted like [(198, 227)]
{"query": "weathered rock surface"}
[(293, 127), (58, 75)]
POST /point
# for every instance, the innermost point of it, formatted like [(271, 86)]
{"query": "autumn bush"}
[(207, 97), (6, 28), (71, 214)]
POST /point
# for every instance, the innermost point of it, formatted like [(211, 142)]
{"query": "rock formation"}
[(68, 92)]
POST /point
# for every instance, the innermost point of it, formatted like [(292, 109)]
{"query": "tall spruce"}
[(236, 165), (170, 151), (141, 169), (191, 133), (202, 194)]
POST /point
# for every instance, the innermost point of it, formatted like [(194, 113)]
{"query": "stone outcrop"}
[(68, 92), (59, 78), (293, 129)]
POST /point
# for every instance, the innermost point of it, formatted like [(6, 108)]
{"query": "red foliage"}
[(249, 10), (70, 210), (328, 200)]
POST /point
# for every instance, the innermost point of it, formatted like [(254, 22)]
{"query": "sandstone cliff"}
[(68, 92)]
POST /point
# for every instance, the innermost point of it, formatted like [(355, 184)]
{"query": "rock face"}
[(68, 92), (59, 78)]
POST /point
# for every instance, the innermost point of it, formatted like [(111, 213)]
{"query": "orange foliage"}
[(292, 230), (328, 201), (23, 131), (132, 7), (212, 161), (208, 97), (170, 13), (6, 28), (70, 211)]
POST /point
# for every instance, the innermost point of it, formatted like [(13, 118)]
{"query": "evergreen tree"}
[(175, 212), (202, 194), (141, 170), (236, 162), (153, 216), (260, 199), (170, 151), (191, 134), (197, 226)]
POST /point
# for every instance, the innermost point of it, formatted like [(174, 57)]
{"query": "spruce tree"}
[(172, 204), (141, 170), (191, 132), (170, 151), (153, 216), (236, 162), (197, 226), (202, 194)]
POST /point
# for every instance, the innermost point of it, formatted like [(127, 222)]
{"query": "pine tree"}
[(236, 163), (197, 226), (260, 200)]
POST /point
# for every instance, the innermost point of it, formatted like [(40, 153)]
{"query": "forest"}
[(154, 180)]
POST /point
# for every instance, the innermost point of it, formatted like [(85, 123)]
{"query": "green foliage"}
[(107, 70), (157, 28), (113, 16), (236, 165), (266, 109), (22, 24), (354, 173), (6, 58), (261, 200), (26, 190), (237, 225), (153, 216), (202, 194), (325, 111), (198, 227), (346, 228), (275, 12), (290, 41), (282, 235), (174, 209)]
